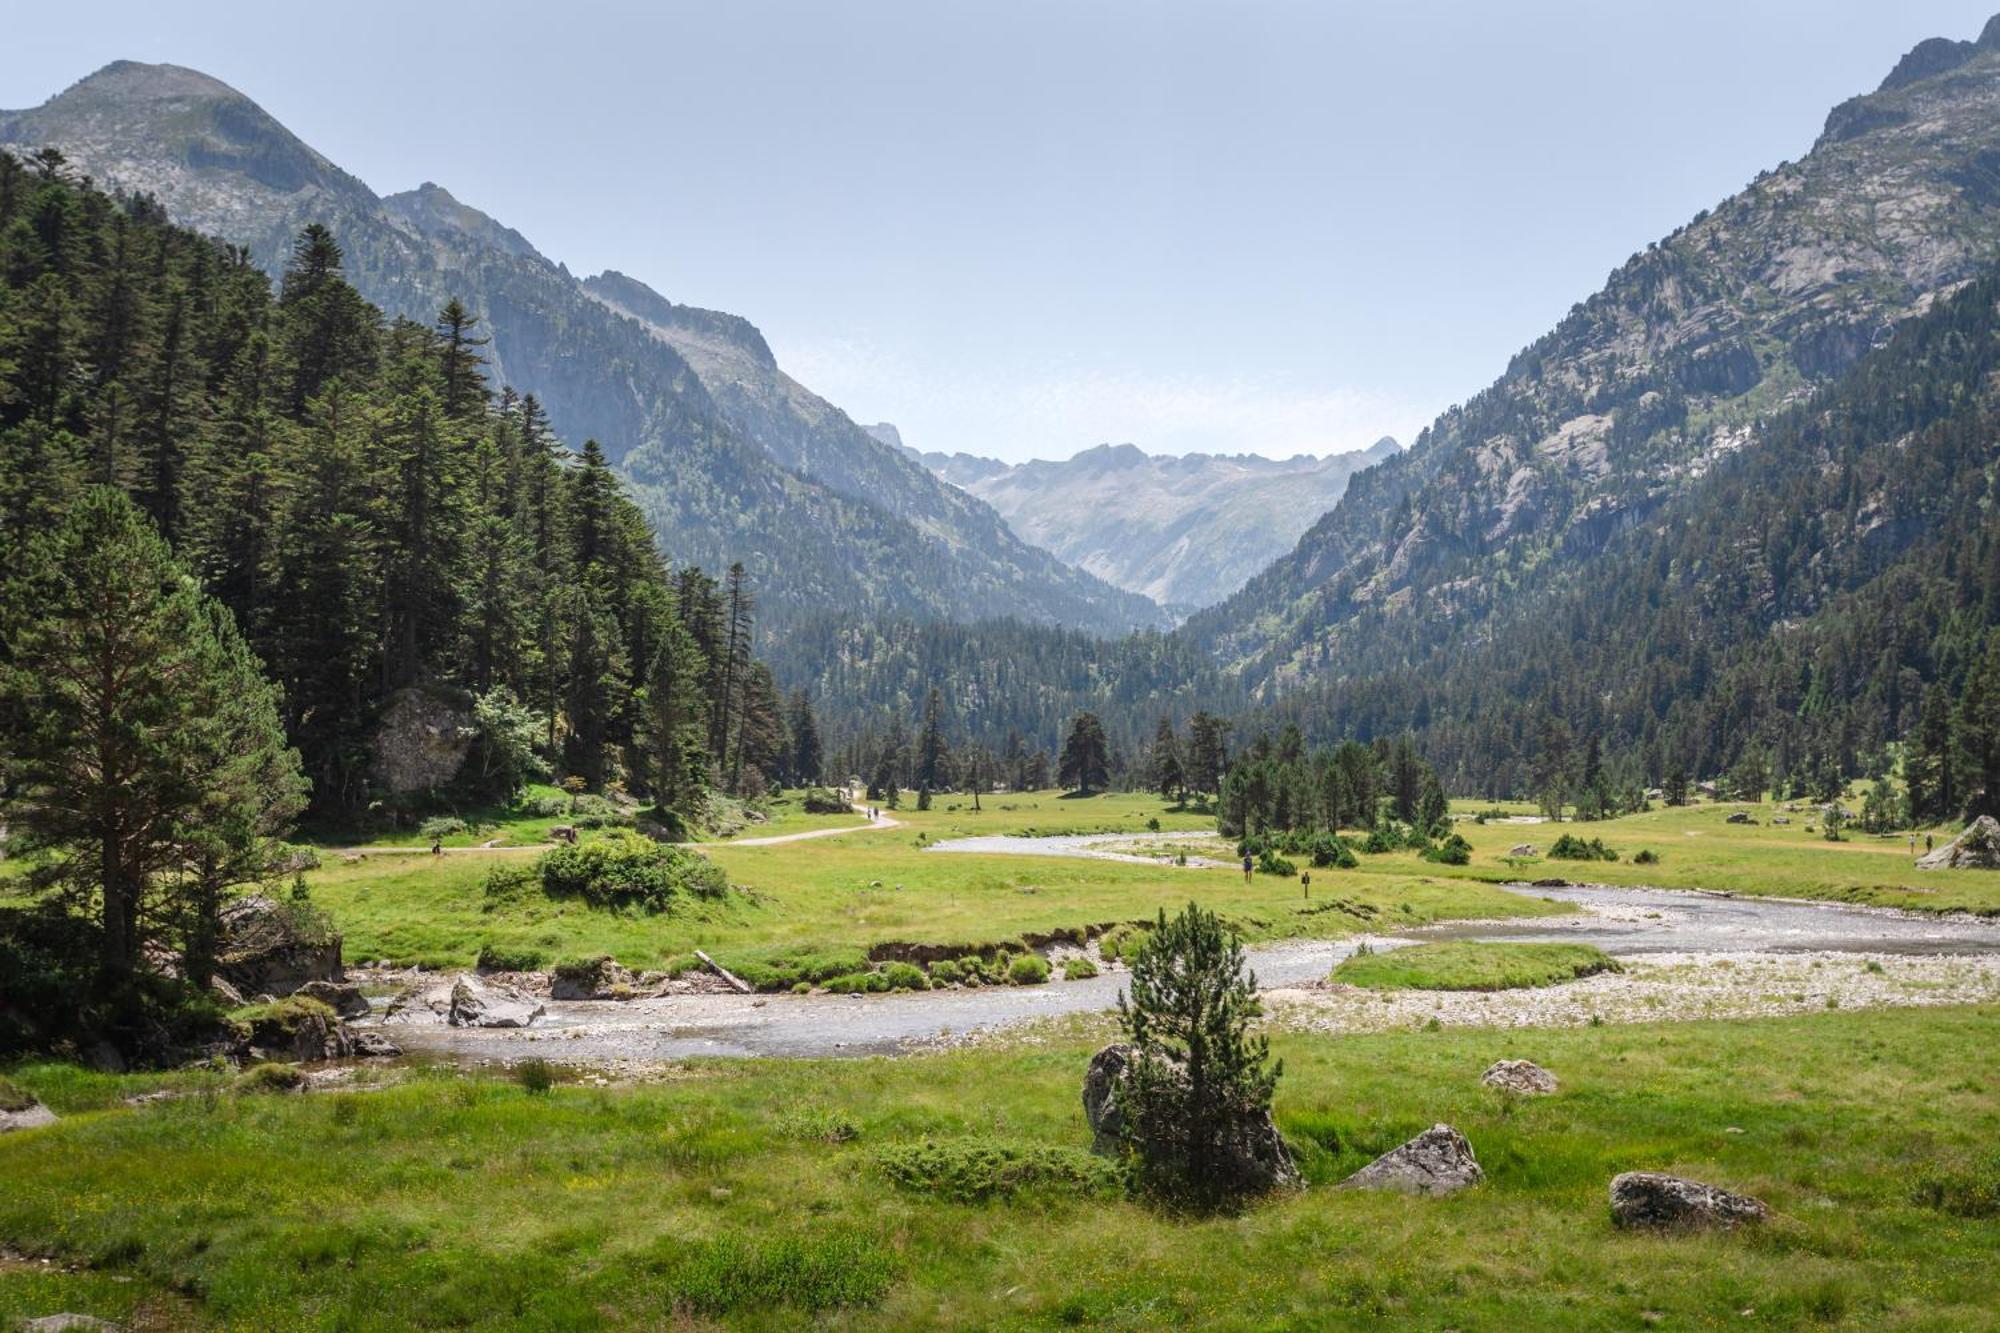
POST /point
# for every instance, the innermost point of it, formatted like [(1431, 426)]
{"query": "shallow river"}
[(1618, 920)]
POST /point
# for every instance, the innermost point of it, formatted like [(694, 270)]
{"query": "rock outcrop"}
[(1978, 848), (1437, 1161), (1257, 1159), (466, 1001), (272, 948), (343, 997), (422, 740), (297, 1030), (25, 1114), (1521, 1076), (1651, 1201)]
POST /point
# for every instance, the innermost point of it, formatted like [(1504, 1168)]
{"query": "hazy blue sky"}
[(1022, 228)]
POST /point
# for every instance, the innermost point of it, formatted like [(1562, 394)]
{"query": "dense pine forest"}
[(404, 550)]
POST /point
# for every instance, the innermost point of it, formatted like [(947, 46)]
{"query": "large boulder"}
[(1437, 1161), (1978, 848), (296, 1030), (1522, 1076), (273, 948), (1257, 1159), (343, 997), (599, 978), (465, 1001), (422, 740), (1652, 1201)]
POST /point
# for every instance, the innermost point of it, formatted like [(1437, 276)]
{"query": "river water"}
[(1624, 921)]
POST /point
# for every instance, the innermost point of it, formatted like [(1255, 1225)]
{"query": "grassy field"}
[(764, 1194), (1465, 965), (859, 890)]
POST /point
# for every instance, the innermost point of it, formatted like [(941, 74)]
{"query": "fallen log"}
[(737, 983)]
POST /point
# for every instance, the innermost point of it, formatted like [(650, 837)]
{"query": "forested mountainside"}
[(1185, 531), (818, 511), (1805, 600), (436, 584), (1633, 398)]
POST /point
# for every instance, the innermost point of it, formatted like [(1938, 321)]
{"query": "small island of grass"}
[(1468, 965)]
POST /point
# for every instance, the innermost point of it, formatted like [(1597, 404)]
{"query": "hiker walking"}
[(1248, 866)]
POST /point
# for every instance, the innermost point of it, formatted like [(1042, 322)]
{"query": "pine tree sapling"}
[(1196, 1111)]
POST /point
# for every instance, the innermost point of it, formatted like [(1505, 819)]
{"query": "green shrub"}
[(439, 827), (508, 958), (1270, 863), (629, 871), (824, 801), (858, 983), (544, 807), (1969, 1188), (945, 972), (1382, 839), (1453, 851), (1571, 848), (905, 976), (1030, 969), (535, 1075), (977, 1169), (1122, 942), (1646, 857), (270, 1077), (1078, 968), (1331, 850)]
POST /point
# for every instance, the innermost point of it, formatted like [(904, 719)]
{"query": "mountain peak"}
[(432, 209), (134, 81), (629, 296)]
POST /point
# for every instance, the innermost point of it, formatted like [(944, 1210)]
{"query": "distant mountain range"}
[(1185, 531), (730, 458)]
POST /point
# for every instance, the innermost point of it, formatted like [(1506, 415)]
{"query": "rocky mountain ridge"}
[(1184, 530)]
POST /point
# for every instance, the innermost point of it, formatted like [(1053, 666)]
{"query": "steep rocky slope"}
[(824, 515), (1647, 384)]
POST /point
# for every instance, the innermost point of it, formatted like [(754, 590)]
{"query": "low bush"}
[(1382, 839), (1569, 847), (858, 983), (544, 807), (1122, 942), (1078, 968), (1332, 850), (979, 1169), (270, 1077), (1270, 863), (824, 801), (1453, 851), (536, 1076), (905, 976), (1030, 969), (12, 1098), (946, 972), (629, 871), (1646, 857)]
